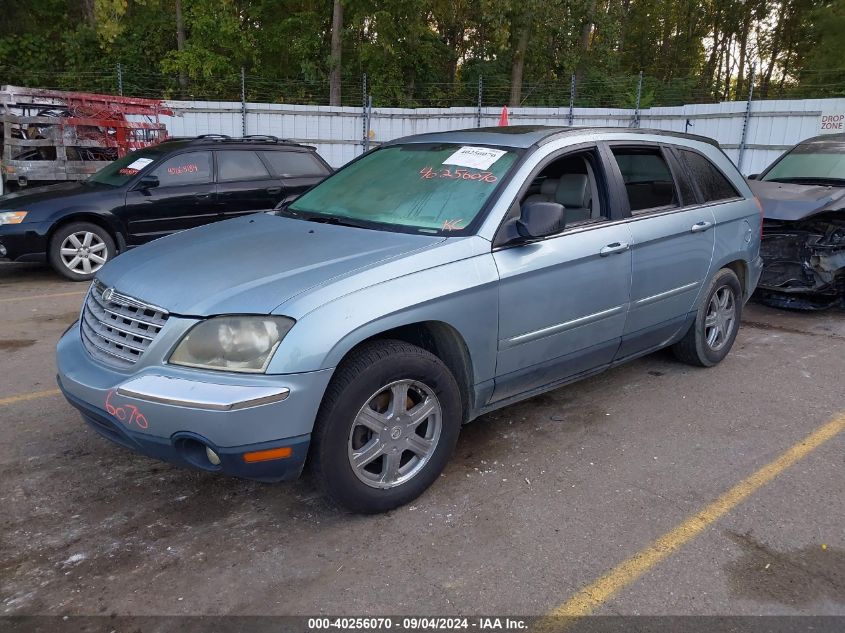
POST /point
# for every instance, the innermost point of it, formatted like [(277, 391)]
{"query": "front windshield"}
[(431, 188), (811, 163), (125, 169)]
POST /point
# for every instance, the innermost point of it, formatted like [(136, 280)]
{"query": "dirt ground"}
[(540, 499)]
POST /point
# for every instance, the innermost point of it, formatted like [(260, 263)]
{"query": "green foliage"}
[(108, 18), (219, 43), (431, 53), (824, 64)]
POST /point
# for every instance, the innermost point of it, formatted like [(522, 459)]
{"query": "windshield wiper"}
[(809, 180), (285, 211), (333, 219), (313, 216)]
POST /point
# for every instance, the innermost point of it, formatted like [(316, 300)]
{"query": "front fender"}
[(462, 294), (80, 211)]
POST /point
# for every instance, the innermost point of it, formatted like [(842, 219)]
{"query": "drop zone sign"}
[(832, 122)]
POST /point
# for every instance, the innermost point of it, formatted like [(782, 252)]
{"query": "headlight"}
[(232, 343), (12, 217)]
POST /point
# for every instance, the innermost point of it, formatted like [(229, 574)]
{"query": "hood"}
[(31, 196), (250, 264), (790, 202)]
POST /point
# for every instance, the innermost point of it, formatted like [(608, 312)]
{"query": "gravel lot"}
[(540, 499)]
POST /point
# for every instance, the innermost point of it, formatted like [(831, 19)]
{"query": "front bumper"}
[(230, 414), (188, 449), (804, 261), (25, 242)]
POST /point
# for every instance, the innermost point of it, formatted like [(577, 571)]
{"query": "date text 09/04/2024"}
[(409, 623)]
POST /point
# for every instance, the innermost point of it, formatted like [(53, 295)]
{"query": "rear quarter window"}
[(712, 183), (294, 164)]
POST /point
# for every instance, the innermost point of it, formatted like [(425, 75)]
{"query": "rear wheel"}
[(386, 428), (712, 335), (78, 250)]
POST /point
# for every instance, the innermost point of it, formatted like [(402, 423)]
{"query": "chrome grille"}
[(118, 329)]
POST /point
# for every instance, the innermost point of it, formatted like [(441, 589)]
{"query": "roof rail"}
[(250, 138), (262, 137)]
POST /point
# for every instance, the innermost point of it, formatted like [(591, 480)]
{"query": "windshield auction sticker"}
[(139, 163), (475, 157)]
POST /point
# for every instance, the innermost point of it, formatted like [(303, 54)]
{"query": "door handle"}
[(274, 190), (202, 196), (615, 248), (700, 227)]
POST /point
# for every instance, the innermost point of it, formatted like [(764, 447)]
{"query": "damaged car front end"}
[(803, 245)]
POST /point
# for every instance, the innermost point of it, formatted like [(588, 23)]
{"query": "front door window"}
[(191, 168)]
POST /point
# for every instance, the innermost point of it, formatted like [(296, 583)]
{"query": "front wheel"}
[(712, 335), (388, 423), (78, 250)]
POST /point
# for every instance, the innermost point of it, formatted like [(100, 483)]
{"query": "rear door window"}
[(647, 177), (294, 164), (712, 183), (240, 165), (191, 168)]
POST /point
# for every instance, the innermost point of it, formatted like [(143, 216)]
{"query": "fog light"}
[(213, 457), (2, 251)]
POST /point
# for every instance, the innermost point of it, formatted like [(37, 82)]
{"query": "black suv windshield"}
[(811, 164), (431, 188), (125, 169)]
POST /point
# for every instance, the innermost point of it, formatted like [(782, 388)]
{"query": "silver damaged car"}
[(432, 280)]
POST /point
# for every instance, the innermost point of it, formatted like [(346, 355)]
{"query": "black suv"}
[(149, 193)]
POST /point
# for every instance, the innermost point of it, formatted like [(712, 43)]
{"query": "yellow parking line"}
[(597, 593), (23, 397), (58, 294)]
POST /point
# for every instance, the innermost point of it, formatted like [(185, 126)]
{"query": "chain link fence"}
[(589, 90)]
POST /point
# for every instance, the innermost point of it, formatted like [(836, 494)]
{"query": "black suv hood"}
[(791, 202), (31, 196)]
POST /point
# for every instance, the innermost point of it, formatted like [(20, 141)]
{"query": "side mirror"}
[(753, 177), (147, 182), (540, 219)]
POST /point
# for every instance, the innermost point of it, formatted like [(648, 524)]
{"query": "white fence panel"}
[(338, 132)]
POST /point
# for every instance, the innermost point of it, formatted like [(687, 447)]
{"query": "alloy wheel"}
[(395, 434), (83, 252), (720, 321)]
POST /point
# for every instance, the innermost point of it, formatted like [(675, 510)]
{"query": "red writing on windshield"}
[(128, 414), (127, 171), (452, 225), (190, 168), (457, 173)]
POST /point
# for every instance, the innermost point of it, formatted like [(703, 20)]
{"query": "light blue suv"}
[(430, 281)]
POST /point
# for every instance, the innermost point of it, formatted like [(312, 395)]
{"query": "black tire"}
[(695, 348), (60, 263), (367, 370)]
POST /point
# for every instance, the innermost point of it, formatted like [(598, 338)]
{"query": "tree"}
[(180, 44), (820, 68), (430, 53), (337, 42), (519, 45)]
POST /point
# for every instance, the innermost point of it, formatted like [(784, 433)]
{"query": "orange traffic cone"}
[(503, 120)]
